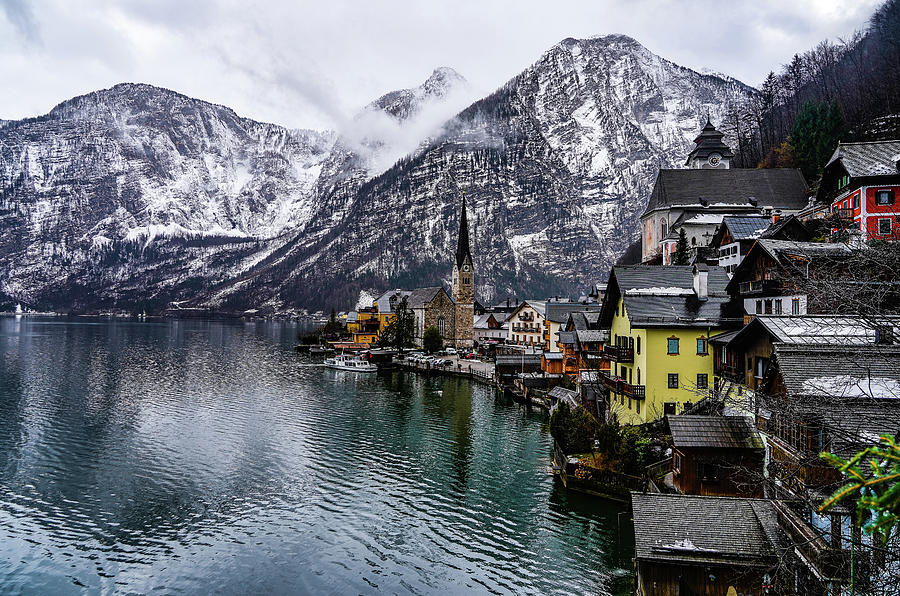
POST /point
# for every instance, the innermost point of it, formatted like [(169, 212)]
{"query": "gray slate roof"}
[(874, 158), (567, 337), (704, 530), (664, 297), (419, 297), (746, 227), (853, 390), (825, 329), (558, 312), (780, 188), (383, 302), (779, 249), (591, 335), (725, 432)]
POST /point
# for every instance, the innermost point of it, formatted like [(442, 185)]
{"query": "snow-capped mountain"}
[(137, 196)]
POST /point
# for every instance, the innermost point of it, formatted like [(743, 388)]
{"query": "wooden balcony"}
[(760, 287), (843, 215), (799, 472), (619, 353), (620, 386)]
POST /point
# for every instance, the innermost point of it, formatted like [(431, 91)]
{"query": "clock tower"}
[(463, 286), (710, 153)]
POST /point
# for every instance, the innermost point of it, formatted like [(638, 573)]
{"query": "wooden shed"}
[(716, 456)]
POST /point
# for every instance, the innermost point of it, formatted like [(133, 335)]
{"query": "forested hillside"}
[(844, 90)]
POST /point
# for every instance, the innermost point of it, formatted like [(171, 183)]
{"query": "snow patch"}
[(848, 386)]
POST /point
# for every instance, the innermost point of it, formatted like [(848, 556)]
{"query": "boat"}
[(350, 362)]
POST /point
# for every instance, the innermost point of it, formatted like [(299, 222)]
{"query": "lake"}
[(185, 457)]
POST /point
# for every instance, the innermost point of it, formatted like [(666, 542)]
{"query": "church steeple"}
[(711, 152), (462, 245)]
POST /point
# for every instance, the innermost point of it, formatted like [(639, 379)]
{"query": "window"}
[(673, 380), (884, 225), (669, 408), (759, 307), (778, 306), (709, 472), (665, 230), (638, 345), (673, 345), (768, 307), (702, 381), (693, 241), (701, 345), (795, 306), (884, 197), (629, 403), (856, 201), (442, 325), (676, 463), (637, 406)]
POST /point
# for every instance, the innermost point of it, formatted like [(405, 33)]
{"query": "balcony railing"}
[(619, 353), (620, 386), (829, 562), (759, 286), (843, 214), (799, 472)]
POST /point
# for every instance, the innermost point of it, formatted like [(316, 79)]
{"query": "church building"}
[(463, 286)]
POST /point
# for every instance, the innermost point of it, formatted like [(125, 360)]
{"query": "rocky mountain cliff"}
[(135, 196)]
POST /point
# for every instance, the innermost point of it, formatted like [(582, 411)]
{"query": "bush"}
[(574, 431)]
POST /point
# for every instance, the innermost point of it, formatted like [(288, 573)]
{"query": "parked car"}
[(450, 351)]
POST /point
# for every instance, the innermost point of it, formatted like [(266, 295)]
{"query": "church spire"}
[(462, 246)]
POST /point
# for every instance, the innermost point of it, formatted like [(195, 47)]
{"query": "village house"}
[(660, 321), (490, 328), (716, 546), (737, 234), (716, 456), (697, 199), (770, 278), (555, 316), (861, 184), (363, 325), (526, 324)]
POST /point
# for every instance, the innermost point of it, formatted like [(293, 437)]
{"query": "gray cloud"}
[(18, 13), (311, 64)]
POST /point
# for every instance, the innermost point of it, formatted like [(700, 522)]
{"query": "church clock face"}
[(465, 267), (714, 159)]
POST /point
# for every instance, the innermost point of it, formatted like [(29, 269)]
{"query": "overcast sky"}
[(311, 64)]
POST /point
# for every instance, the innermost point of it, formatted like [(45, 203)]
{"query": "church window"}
[(442, 325), (693, 241), (665, 230)]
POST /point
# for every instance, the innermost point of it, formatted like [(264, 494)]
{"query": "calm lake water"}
[(190, 457)]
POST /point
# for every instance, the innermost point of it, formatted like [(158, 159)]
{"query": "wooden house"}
[(715, 546), (769, 278), (716, 456)]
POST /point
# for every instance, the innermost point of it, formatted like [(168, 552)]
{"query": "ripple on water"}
[(189, 456)]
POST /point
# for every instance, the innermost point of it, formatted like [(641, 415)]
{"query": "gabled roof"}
[(591, 335), (854, 391), (723, 432), (786, 227), (664, 297), (704, 530), (823, 329), (558, 312), (383, 302), (540, 306), (787, 253), (709, 141), (779, 188), (483, 321), (872, 158), (585, 319), (419, 297), (567, 337)]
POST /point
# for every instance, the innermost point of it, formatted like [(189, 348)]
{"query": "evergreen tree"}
[(681, 256), (432, 340), (816, 132), (399, 333)]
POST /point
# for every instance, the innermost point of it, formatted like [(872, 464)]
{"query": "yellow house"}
[(660, 320), (363, 325)]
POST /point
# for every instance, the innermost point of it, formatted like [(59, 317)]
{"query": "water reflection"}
[(206, 456)]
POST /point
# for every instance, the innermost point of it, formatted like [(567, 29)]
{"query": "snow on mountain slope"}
[(140, 196)]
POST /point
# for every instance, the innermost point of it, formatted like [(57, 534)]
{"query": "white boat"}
[(350, 362), (19, 311)]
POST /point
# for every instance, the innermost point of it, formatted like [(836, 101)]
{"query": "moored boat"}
[(350, 362)]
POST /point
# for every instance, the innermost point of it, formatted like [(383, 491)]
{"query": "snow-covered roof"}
[(871, 158)]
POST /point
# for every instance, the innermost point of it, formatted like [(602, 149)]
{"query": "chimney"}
[(701, 281)]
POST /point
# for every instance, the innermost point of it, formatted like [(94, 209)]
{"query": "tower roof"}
[(462, 246), (709, 141)]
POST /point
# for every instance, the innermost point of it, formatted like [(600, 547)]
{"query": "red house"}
[(861, 182)]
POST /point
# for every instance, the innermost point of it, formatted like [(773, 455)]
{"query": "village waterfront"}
[(209, 457)]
